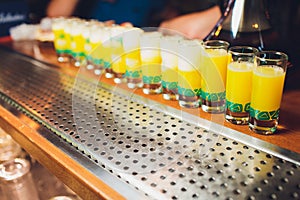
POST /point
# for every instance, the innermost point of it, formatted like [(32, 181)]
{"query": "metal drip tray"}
[(163, 152)]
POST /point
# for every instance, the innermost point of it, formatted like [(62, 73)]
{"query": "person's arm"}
[(194, 25), (57, 8)]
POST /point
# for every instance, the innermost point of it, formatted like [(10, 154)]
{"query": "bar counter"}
[(284, 144)]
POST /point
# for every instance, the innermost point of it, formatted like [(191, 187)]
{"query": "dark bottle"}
[(245, 22)]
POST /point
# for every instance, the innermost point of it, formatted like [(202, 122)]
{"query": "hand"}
[(57, 8), (194, 25)]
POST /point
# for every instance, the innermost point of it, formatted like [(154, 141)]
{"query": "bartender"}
[(193, 18)]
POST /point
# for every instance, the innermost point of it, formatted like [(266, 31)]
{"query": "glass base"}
[(152, 89), (241, 118), (135, 85), (109, 73), (63, 58), (171, 97), (76, 63), (119, 80), (213, 107), (98, 71), (90, 66), (170, 94), (188, 102), (265, 127)]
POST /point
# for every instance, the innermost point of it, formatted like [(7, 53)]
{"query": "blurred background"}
[(284, 17)]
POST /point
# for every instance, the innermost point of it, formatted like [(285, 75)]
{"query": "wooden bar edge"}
[(71, 173)]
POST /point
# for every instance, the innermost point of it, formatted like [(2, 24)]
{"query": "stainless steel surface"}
[(163, 152), (46, 181)]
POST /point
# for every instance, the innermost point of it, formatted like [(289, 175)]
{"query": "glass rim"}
[(253, 49), (151, 34), (171, 38), (210, 43), (189, 42), (8, 173), (133, 30), (280, 55)]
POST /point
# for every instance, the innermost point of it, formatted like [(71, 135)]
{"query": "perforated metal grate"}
[(160, 154)]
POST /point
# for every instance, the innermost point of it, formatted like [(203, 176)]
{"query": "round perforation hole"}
[(134, 139)]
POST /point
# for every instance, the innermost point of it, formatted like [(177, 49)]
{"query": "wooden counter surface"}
[(287, 136)]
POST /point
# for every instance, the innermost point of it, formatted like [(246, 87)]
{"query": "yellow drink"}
[(86, 32), (133, 60), (118, 65), (151, 75), (118, 60), (77, 45), (106, 52), (214, 70), (189, 77), (170, 75), (267, 86), (169, 54), (60, 42), (67, 31), (238, 92), (151, 69), (170, 83), (189, 81), (61, 39), (87, 46), (77, 41), (94, 56), (133, 65), (133, 72), (189, 87), (239, 83), (96, 53), (131, 46), (266, 95), (169, 71), (151, 62), (101, 53)]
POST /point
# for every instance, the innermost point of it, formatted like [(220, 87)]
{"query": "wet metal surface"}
[(159, 151)]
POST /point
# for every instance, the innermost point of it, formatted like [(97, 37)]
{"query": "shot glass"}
[(61, 43), (16, 181), (106, 50), (95, 59), (214, 60), (117, 54), (89, 28), (9, 149), (169, 66), (151, 62), (77, 42), (239, 83), (131, 46), (267, 87), (67, 31), (189, 76)]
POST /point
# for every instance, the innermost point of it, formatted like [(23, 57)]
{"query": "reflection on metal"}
[(163, 152)]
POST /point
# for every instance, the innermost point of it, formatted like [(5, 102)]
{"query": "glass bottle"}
[(16, 181), (245, 22), (9, 149)]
